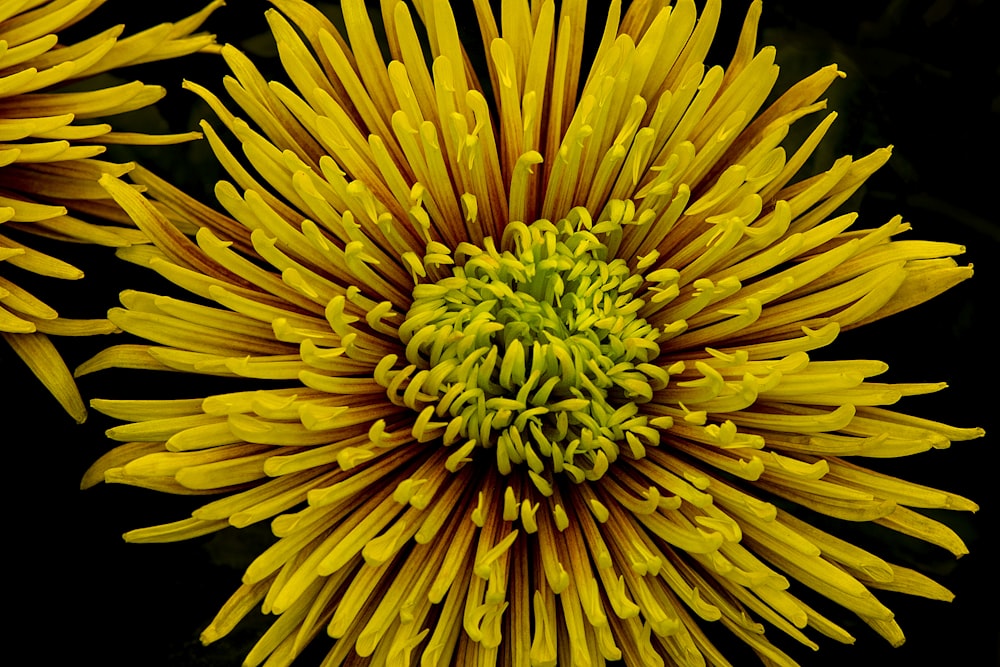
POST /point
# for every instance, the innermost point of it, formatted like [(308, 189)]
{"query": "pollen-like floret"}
[(529, 376)]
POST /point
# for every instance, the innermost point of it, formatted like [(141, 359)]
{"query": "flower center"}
[(536, 352)]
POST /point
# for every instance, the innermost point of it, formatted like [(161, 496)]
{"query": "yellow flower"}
[(528, 380), (48, 164)]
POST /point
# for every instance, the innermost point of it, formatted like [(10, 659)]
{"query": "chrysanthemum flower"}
[(529, 378), (49, 144)]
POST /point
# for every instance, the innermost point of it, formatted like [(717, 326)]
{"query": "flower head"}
[(48, 158), (530, 380)]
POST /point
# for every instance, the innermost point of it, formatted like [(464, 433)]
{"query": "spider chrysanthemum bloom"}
[(50, 140), (528, 374)]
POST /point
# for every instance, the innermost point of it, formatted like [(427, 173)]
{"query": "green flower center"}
[(536, 352)]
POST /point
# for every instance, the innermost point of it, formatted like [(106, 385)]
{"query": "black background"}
[(922, 75)]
